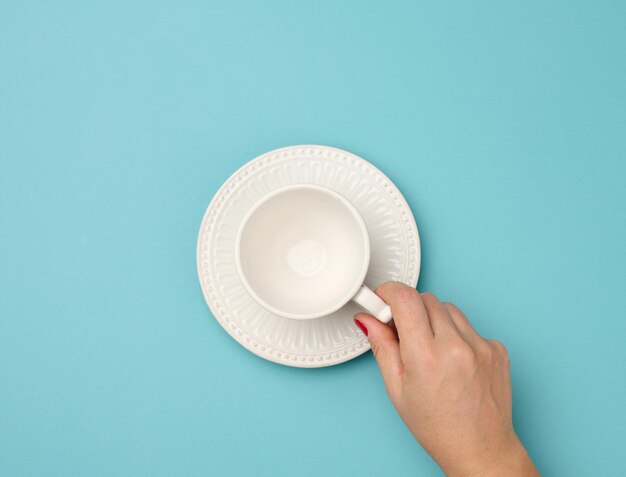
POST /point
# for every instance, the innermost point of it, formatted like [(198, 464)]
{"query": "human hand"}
[(451, 387)]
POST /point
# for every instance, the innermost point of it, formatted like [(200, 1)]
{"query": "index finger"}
[(409, 313)]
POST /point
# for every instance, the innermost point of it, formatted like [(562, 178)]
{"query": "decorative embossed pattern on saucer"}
[(325, 341)]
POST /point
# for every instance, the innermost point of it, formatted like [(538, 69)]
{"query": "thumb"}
[(386, 349)]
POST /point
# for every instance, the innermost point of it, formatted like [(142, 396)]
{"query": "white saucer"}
[(331, 339)]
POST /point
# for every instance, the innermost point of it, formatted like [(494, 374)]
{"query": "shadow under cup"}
[(303, 251)]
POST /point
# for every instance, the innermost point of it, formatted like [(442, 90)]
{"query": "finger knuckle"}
[(429, 296), (387, 287), (377, 350), (380, 352), (452, 310), (461, 352), (499, 349), (497, 346), (405, 295)]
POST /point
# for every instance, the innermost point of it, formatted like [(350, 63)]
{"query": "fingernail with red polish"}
[(361, 326)]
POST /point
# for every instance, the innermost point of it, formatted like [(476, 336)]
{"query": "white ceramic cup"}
[(303, 252)]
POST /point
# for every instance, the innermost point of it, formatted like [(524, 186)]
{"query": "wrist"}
[(508, 459)]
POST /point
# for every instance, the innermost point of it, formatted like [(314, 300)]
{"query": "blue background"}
[(503, 123)]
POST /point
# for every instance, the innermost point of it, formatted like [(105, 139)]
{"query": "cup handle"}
[(373, 304)]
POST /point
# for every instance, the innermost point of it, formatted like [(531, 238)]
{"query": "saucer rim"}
[(231, 328)]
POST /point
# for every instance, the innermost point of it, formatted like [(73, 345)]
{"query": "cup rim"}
[(364, 236)]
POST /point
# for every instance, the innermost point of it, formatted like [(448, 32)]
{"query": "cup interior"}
[(303, 251)]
